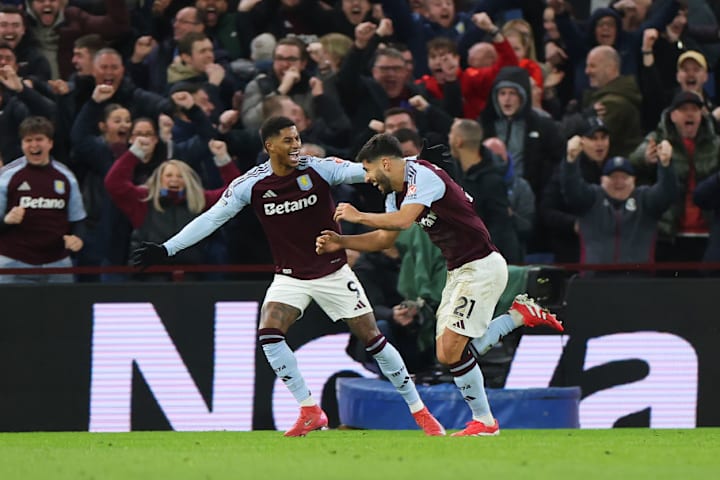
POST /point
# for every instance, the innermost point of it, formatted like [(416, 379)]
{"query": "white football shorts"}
[(470, 296), (339, 294)]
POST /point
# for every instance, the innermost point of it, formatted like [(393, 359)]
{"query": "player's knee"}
[(448, 354), (443, 357), (364, 327), (278, 315)]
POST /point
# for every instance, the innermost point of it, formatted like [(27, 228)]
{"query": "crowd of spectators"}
[(568, 121)]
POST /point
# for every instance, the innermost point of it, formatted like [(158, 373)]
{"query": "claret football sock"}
[(284, 364)]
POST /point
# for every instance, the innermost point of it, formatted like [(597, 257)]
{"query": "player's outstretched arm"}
[(329, 241)]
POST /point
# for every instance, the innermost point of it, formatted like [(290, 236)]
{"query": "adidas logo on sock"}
[(269, 194), (459, 324)]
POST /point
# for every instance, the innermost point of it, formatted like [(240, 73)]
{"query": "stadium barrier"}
[(374, 404), (183, 356)]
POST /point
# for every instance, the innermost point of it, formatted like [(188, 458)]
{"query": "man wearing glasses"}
[(287, 77), (149, 63)]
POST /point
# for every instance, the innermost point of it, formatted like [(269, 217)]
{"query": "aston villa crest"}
[(304, 182)]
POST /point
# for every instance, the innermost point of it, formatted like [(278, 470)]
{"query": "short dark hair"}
[(273, 125), (399, 111), (36, 125), (12, 9), (109, 109), (184, 45), (92, 41), (408, 135), (442, 44), (185, 86), (380, 145), (295, 42)]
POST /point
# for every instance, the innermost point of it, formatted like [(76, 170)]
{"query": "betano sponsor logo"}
[(290, 206), (42, 202)]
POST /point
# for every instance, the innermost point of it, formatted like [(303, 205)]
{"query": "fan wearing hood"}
[(533, 141)]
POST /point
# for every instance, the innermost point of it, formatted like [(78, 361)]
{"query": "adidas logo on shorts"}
[(460, 324)]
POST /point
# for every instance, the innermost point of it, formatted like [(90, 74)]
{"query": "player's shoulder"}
[(63, 169), (422, 169), (9, 170), (252, 176)]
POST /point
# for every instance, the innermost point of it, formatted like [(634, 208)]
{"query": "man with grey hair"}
[(615, 98)]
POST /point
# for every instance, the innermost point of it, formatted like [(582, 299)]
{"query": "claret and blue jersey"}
[(448, 218), (52, 201), (293, 210)]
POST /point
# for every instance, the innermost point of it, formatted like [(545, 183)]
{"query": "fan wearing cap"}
[(657, 82), (558, 217), (696, 151), (617, 221)]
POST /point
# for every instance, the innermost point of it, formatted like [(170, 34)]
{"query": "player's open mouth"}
[(9, 38), (108, 81), (35, 152), (294, 155)]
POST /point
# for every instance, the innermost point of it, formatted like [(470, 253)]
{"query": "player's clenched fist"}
[(15, 216), (345, 211), (73, 242), (327, 242)]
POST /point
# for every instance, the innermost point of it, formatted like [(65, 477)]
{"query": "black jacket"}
[(558, 216), (484, 182)]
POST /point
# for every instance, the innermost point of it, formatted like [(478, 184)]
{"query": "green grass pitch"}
[(615, 454)]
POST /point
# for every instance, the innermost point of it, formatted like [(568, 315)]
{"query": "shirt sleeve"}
[(76, 209), (234, 199), (424, 187), (335, 170), (4, 180)]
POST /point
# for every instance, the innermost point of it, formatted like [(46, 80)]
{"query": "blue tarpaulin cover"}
[(375, 404)]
